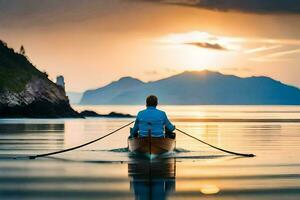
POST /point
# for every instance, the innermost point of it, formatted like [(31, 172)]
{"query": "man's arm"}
[(168, 124), (135, 128)]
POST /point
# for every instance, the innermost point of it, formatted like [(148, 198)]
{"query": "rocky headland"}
[(27, 92)]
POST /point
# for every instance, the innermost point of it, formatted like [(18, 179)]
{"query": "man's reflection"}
[(152, 179)]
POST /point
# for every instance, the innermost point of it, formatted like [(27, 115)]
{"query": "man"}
[(152, 121)]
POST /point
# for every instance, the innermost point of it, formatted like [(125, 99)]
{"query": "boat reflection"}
[(152, 179)]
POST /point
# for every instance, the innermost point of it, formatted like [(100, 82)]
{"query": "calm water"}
[(105, 170)]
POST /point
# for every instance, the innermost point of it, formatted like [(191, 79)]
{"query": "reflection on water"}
[(28, 128), (105, 170), (31, 137), (152, 179)]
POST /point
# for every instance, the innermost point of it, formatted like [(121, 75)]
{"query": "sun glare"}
[(200, 39), (200, 50)]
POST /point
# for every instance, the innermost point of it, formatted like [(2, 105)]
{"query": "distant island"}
[(90, 113), (196, 88), (27, 92)]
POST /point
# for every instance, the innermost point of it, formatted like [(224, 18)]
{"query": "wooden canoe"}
[(151, 145)]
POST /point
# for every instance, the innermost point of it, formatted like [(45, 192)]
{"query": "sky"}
[(92, 43)]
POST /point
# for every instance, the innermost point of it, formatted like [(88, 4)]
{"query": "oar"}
[(220, 149), (82, 145)]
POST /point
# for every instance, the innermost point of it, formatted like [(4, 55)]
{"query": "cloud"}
[(261, 49), (247, 6), (283, 53), (277, 56), (273, 50), (207, 45), (199, 39), (42, 13), (265, 49)]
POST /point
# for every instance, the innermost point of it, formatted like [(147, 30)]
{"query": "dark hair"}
[(151, 101)]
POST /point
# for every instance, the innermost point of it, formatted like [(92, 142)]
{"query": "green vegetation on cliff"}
[(15, 70)]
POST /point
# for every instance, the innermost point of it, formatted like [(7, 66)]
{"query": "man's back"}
[(154, 120)]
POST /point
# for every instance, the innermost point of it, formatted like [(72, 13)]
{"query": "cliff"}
[(27, 92)]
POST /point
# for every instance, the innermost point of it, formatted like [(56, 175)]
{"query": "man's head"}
[(151, 101)]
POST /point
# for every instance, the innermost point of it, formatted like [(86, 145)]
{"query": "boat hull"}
[(150, 145)]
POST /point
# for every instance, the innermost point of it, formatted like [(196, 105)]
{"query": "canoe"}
[(151, 145)]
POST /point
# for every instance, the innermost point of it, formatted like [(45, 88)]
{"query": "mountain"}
[(198, 87), (27, 92), (105, 94)]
